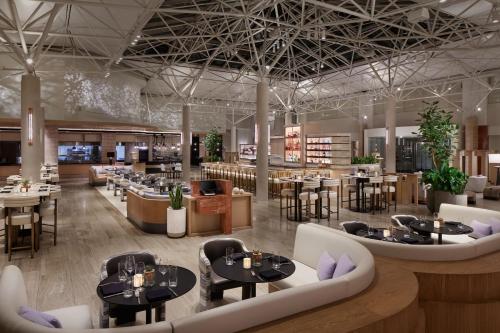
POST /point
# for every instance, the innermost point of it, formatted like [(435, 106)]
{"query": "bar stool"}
[(309, 196), (286, 193), (374, 190), (350, 188), (332, 187), (388, 188), (20, 212), (50, 207), (3, 222)]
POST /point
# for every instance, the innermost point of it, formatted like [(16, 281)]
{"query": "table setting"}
[(440, 227), (394, 235)]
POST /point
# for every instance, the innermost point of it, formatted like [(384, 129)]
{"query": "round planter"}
[(176, 222), (436, 198)]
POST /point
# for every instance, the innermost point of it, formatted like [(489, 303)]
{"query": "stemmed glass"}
[(130, 264), (122, 272), (163, 270)]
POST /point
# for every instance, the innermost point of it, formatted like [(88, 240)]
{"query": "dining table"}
[(447, 228), (249, 277), (110, 290), (397, 236), (15, 191)]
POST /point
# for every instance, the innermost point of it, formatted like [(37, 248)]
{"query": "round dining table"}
[(249, 277), (448, 228)]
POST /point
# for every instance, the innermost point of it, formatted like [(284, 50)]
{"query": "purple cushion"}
[(495, 225), (39, 318), (344, 266), (481, 228), (326, 266)]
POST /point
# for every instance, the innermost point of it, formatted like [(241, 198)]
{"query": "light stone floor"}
[(92, 226)]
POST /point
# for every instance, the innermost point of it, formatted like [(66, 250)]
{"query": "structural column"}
[(234, 147), (186, 142), (32, 128), (390, 134), (261, 120), (365, 117)]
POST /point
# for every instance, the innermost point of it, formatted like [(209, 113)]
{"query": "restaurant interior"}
[(259, 166)]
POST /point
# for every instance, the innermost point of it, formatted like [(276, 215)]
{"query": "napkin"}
[(238, 256), (270, 274), (408, 240), (156, 295), (112, 288)]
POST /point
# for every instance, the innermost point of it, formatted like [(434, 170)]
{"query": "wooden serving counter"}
[(149, 215)]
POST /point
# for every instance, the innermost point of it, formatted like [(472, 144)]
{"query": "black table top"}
[(186, 280), (400, 236), (448, 228), (236, 272)]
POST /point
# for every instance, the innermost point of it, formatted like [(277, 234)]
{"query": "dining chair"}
[(331, 191), (212, 286), (310, 196), (403, 220), (352, 227), (389, 190), (374, 191), (49, 207), (21, 212), (109, 267)]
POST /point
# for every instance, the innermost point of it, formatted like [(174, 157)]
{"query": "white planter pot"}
[(176, 222)]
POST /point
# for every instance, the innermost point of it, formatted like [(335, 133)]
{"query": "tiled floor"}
[(91, 228)]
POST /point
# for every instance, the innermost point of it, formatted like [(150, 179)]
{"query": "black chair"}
[(405, 220), (212, 286), (110, 267), (352, 227)]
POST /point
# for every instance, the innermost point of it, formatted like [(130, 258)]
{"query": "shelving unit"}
[(293, 144), (330, 150)]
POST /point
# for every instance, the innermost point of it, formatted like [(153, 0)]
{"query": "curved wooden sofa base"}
[(389, 305), (149, 215), (457, 296)]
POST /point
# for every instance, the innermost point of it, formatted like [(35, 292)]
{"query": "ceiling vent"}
[(418, 15)]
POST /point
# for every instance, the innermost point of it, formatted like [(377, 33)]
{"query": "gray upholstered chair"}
[(110, 267), (351, 227), (402, 220), (212, 286)]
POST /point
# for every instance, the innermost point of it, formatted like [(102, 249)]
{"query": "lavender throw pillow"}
[(481, 228), (326, 266), (495, 225), (344, 266), (39, 318)]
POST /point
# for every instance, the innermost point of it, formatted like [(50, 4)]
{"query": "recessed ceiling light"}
[(442, 1), (138, 36), (495, 21), (398, 89), (365, 117), (227, 104), (449, 88), (107, 75), (478, 108), (29, 61), (133, 43), (268, 67)]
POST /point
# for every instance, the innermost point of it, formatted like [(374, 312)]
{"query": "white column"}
[(365, 117), (32, 128), (475, 100), (234, 145), (390, 132), (288, 118), (186, 142), (261, 120)]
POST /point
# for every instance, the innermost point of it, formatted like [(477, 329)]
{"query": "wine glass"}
[(122, 272), (163, 270), (130, 264)]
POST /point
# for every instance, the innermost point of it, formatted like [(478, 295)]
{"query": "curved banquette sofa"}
[(459, 284), (340, 299), (147, 210)]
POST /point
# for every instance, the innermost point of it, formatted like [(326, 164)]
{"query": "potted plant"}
[(25, 185), (213, 144), (438, 133), (176, 214)]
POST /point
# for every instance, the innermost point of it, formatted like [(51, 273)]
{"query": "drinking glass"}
[(370, 231), (128, 290), (172, 276), (163, 270), (276, 260), (149, 276), (122, 272), (229, 256), (130, 264)]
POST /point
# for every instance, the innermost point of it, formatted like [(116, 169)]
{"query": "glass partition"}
[(75, 152)]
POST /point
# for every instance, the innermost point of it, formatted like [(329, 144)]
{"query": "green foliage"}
[(175, 195), (25, 182), (212, 141), (446, 179), (364, 160), (438, 133)]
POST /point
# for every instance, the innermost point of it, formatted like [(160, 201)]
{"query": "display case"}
[(328, 150), (293, 144)]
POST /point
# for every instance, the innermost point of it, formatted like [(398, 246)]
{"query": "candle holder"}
[(247, 263), (256, 258)]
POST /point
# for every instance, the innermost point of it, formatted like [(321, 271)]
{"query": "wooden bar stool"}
[(310, 196), (331, 191), (21, 212), (374, 191), (388, 188)]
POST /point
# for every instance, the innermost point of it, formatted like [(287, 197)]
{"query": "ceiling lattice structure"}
[(314, 53)]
